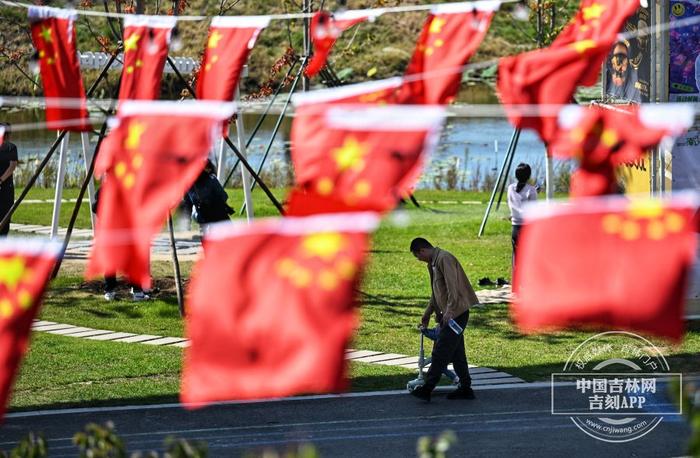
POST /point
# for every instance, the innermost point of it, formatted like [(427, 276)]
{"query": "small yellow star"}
[(609, 138), (324, 245), (136, 129), (593, 12), (130, 44), (583, 45), (350, 155), (436, 25), (12, 271), (214, 39), (46, 34)]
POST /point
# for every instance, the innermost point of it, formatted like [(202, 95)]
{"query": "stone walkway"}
[(480, 375)]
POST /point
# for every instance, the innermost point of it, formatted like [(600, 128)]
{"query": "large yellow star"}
[(593, 12), (583, 45), (214, 39), (350, 155), (130, 44), (133, 138), (436, 25), (324, 245), (46, 34), (12, 271)]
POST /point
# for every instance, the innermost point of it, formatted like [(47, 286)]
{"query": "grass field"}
[(62, 371)]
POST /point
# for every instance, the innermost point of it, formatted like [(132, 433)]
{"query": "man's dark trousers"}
[(449, 348)]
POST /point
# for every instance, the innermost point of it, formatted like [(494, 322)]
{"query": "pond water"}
[(470, 148)]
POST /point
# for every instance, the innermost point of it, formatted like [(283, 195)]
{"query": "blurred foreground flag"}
[(149, 161), (359, 158), (450, 37), (231, 38), (53, 35), (146, 41), (604, 138), (606, 262), (25, 267), (549, 76), (327, 27), (271, 307)]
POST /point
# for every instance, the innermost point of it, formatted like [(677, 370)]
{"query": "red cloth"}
[(230, 41), (325, 29), (605, 262), (146, 40), (602, 139), (271, 307), (361, 158), (25, 267), (150, 161), (53, 36), (450, 37), (551, 75)]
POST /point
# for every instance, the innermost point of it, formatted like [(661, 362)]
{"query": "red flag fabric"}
[(605, 262), (364, 158), (283, 329), (603, 138), (450, 37), (550, 76), (230, 40), (25, 267), (53, 36), (149, 161), (146, 40), (381, 92), (327, 27)]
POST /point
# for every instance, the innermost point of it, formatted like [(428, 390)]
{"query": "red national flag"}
[(150, 160), (284, 326), (53, 36), (25, 267), (604, 138), (146, 40), (605, 262), (363, 158), (450, 37), (327, 27), (230, 40), (550, 76)]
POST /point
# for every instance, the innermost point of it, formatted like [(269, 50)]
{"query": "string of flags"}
[(357, 151)]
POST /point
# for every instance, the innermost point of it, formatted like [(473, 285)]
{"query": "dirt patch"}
[(161, 286)]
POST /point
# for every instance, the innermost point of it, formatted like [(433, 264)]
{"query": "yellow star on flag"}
[(12, 271), (583, 45), (214, 39), (130, 44), (46, 34), (133, 138), (350, 155), (609, 138), (593, 12), (324, 245), (436, 25)]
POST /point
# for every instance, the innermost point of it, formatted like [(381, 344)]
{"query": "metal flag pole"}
[(176, 267), (506, 159), (87, 157), (504, 182), (60, 179), (245, 178)]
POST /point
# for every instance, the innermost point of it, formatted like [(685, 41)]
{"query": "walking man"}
[(451, 297)]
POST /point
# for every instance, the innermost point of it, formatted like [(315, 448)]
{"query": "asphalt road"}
[(500, 422)]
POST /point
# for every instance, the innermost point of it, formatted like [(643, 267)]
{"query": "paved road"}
[(500, 422)]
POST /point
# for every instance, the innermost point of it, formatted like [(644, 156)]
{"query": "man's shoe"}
[(422, 392), (110, 296), (461, 393), (138, 296)]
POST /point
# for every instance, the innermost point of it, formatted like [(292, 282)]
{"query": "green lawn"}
[(394, 292)]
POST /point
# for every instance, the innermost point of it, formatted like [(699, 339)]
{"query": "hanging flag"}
[(149, 161), (605, 262), (604, 138), (25, 267), (53, 36), (146, 40), (549, 76), (327, 27), (284, 326), (450, 37), (230, 40), (380, 92), (363, 158)]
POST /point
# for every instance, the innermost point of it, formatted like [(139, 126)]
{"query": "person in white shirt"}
[(518, 194)]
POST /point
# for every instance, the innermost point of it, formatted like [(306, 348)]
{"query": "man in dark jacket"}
[(208, 198), (451, 297)]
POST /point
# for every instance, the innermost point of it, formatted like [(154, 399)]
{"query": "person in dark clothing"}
[(208, 198), (452, 296), (8, 163)]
